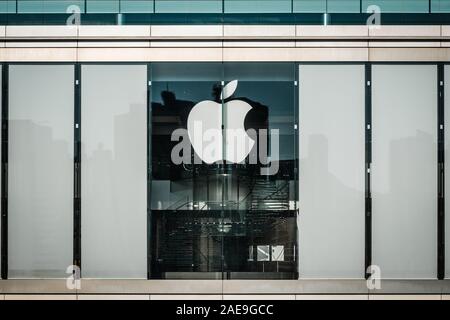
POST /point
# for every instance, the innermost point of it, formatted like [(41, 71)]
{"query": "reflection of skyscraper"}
[(126, 150), (191, 232), (40, 243)]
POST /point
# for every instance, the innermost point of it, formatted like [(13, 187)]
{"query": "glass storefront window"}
[(46, 6), (264, 186), (207, 213), (310, 6), (136, 6), (7, 6), (225, 207), (186, 233), (330, 6), (219, 6)]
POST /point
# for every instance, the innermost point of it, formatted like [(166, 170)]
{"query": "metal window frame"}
[(4, 170), (368, 160), (441, 173)]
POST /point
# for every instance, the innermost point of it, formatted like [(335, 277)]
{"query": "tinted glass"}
[(47, 6), (264, 184), (248, 6), (216, 219), (185, 195), (387, 6), (188, 6)]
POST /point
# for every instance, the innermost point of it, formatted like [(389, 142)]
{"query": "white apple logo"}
[(204, 127)]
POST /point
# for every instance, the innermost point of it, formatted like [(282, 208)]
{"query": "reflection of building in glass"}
[(205, 217), (88, 177)]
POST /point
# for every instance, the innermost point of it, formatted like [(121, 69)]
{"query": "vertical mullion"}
[(296, 160), (441, 176), (4, 171), (77, 169), (368, 161), (149, 173)]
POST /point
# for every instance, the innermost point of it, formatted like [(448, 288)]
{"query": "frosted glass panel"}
[(48, 6), (331, 223), (114, 171), (404, 182), (447, 169), (40, 190)]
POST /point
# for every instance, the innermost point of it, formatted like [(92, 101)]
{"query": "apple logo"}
[(205, 123)]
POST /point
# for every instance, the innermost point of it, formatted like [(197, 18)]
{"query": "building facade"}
[(232, 147)]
